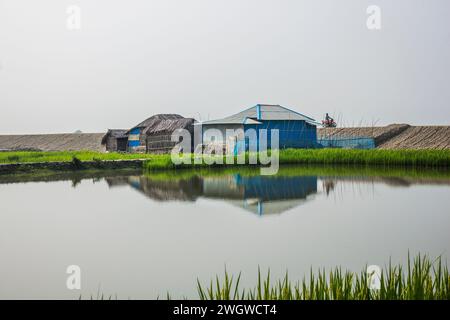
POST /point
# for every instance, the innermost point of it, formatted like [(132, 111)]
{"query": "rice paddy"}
[(65, 156), (410, 158), (422, 279), (384, 158)]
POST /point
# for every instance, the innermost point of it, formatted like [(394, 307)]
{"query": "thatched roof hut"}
[(149, 122), (154, 134), (168, 125), (159, 129), (115, 140)]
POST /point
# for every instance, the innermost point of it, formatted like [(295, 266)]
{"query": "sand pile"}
[(423, 137), (53, 142), (396, 136)]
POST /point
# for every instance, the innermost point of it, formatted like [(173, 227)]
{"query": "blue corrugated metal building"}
[(295, 129)]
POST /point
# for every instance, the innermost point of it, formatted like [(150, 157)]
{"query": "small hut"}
[(159, 132), (115, 140), (154, 134)]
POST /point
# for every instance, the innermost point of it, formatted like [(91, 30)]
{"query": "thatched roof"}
[(115, 133), (168, 126), (164, 123), (158, 117)]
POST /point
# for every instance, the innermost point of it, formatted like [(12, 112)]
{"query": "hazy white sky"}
[(208, 58)]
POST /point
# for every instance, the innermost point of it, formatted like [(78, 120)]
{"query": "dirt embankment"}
[(53, 142), (396, 136), (424, 137)]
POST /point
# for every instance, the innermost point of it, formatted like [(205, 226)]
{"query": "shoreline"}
[(25, 162), (66, 166)]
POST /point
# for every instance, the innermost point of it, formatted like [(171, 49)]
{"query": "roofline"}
[(313, 122), (297, 113), (224, 122), (256, 121), (260, 121), (307, 119)]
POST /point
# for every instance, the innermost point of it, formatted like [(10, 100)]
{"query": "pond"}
[(140, 236)]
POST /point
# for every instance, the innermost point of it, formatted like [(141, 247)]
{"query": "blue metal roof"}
[(263, 112)]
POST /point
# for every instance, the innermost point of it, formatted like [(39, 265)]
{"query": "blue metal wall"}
[(134, 143), (348, 143), (292, 134)]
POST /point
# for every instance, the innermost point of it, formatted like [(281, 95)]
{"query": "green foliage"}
[(380, 158), (376, 157), (67, 156), (76, 162), (424, 279), (410, 158)]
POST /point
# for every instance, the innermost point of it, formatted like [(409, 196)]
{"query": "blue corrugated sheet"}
[(134, 143), (292, 134), (348, 143)]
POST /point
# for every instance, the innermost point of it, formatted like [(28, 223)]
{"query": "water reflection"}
[(141, 236), (261, 195), (258, 194)]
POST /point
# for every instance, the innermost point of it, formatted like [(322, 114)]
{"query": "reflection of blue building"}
[(258, 194), (261, 194)]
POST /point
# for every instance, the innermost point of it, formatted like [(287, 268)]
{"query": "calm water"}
[(140, 236)]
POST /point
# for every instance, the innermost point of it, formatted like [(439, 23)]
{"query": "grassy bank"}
[(387, 158), (384, 158), (422, 279), (65, 156), (412, 158)]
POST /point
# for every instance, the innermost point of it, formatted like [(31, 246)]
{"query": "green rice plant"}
[(380, 158), (154, 162), (413, 158), (67, 156), (424, 279), (13, 158)]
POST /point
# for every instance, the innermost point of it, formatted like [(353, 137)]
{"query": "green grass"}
[(66, 156), (422, 279), (412, 158), (380, 158), (386, 158)]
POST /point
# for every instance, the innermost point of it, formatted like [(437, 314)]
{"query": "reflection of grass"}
[(50, 175), (423, 279), (286, 170), (306, 170)]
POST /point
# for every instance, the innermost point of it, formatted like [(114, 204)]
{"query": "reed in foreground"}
[(422, 279)]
